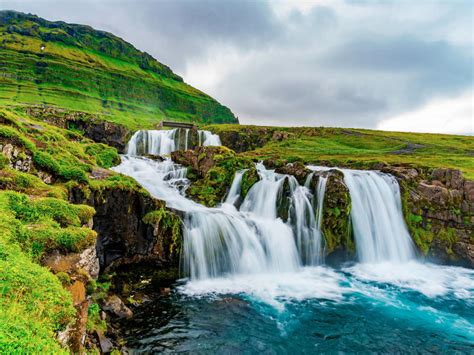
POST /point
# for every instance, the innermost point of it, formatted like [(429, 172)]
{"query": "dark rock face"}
[(123, 235), (243, 139), (99, 131), (104, 132), (298, 170), (439, 208)]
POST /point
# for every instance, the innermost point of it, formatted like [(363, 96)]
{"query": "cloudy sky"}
[(395, 65)]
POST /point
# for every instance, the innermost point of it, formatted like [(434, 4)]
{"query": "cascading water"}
[(234, 192), (163, 142), (208, 138), (225, 240), (249, 257), (379, 229)]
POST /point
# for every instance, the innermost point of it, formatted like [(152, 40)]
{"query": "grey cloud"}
[(326, 66)]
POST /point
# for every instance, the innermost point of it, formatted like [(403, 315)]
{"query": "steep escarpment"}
[(79, 68)]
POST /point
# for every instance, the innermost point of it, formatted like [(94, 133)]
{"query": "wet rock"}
[(438, 208), (124, 237), (105, 344), (336, 213), (284, 200), (114, 305), (297, 169)]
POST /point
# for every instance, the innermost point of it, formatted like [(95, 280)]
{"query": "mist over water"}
[(256, 283)]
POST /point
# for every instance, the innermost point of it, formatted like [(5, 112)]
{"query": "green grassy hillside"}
[(352, 147), (79, 68)]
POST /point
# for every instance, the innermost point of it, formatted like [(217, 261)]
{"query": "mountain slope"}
[(79, 68)]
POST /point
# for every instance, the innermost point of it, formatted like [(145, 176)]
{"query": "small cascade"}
[(152, 142), (207, 138), (379, 228), (163, 142), (320, 192), (307, 232), (234, 191)]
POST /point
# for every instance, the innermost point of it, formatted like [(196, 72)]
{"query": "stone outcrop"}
[(19, 158), (127, 230), (75, 271), (335, 227), (211, 171), (98, 130), (297, 169), (245, 138), (439, 211)]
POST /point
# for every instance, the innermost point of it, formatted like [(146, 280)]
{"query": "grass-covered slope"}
[(351, 147), (79, 68)]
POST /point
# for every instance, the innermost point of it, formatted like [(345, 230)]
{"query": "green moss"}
[(169, 225), (209, 189), (4, 161), (336, 225), (94, 321), (105, 156), (249, 178)]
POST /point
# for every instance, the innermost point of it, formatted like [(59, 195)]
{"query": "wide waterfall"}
[(248, 236), (163, 142)]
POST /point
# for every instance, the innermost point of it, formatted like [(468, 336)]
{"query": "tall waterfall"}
[(163, 142), (379, 229)]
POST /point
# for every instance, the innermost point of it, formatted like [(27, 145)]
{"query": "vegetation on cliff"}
[(42, 285), (211, 171), (79, 68)]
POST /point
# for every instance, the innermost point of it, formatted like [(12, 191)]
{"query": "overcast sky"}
[(397, 65)]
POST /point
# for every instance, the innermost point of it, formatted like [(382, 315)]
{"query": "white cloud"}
[(453, 115)]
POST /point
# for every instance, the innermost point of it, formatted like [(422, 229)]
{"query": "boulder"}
[(114, 305)]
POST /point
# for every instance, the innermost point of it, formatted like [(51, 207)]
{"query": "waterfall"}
[(163, 142), (277, 227), (226, 240), (152, 142), (207, 138), (307, 231), (234, 191), (320, 192), (379, 228)]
